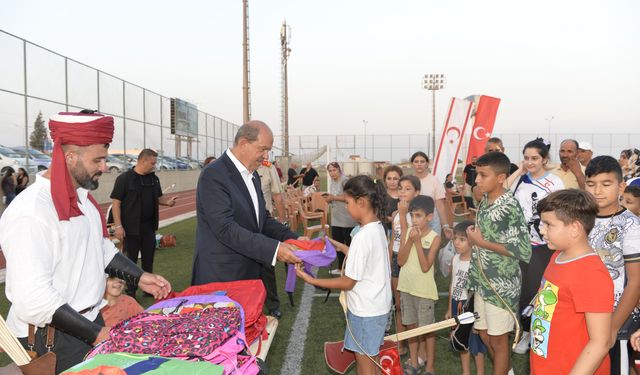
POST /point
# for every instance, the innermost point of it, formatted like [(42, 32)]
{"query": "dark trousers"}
[(268, 276), (144, 243), (531, 277), (69, 350), (342, 235)]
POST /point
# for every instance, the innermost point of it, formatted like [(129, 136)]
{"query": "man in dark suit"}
[(235, 234)]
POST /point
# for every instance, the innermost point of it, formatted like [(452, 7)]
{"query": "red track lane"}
[(185, 202)]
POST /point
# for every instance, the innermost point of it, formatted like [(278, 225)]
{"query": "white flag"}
[(454, 128)]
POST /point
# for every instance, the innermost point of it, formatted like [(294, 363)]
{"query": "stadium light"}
[(433, 83)]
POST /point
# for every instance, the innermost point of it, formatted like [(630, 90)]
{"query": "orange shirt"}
[(558, 323), (124, 308)]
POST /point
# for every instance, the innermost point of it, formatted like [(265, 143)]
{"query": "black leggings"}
[(531, 277), (342, 235)]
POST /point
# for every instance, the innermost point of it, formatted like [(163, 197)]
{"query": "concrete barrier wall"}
[(184, 180)]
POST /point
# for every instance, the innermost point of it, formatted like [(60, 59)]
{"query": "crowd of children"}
[(562, 265)]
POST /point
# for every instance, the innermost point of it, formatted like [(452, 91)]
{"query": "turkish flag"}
[(483, 123), (451, 140)]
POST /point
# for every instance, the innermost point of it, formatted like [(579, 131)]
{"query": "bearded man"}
[(57, 248)]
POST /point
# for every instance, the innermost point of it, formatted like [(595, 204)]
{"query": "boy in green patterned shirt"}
[(500, 240)]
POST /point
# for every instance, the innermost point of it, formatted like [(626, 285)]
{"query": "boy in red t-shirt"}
[(571, 321)]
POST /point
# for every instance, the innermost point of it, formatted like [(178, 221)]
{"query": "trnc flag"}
[(454, 129), (483, 123)]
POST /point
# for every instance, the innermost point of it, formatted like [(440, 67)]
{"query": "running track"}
[(185, 202)]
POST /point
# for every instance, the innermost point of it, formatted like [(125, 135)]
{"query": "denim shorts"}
[(368, 333), (476, 346)]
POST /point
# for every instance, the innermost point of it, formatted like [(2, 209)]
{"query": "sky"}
[(575, 61)]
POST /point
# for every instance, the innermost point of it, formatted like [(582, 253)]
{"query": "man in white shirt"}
[(57, 248)]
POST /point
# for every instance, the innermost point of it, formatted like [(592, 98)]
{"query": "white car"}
[(9, 159)]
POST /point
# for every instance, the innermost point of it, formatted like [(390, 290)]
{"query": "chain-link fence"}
[(398, 148), (34, 79)]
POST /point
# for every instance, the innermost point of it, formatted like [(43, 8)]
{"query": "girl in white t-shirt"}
[(367, 276), (408, 188), (530, 184)]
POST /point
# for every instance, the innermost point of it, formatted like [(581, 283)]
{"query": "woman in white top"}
[(432, 187), (530, 184), (341, 222)]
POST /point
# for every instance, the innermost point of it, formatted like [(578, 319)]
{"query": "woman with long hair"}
[(391, 177), (22, 180), (432, 187), (341, 222)]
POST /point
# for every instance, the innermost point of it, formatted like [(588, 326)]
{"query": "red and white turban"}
[(74, 128)]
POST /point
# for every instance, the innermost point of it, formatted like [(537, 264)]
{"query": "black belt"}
[(82, 312)]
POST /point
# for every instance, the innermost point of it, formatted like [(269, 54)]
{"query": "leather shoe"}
[(276, 313)]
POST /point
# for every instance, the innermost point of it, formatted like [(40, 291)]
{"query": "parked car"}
[(193, 164), (116, 165), (41, 160), (9, 159), (181, 165), (166, 164), (130, 159)]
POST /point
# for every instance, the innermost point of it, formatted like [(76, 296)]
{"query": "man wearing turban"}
[(57, 249)]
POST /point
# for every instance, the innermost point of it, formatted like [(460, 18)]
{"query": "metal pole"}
[(433, 125), (365, 138), (98, 88), (124, 118), (144, 118), (246, 109), (66, 85), (26, 116)]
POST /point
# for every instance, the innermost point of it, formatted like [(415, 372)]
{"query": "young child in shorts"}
[(367, 274), (500, 240), (571, 319), (616, 238), (408, 188), (459, 296), (416, 284)]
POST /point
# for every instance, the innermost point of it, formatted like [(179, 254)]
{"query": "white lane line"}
[(295, 347)]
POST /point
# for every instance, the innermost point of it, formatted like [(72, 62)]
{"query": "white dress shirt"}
[(247, 177), (52, 262)]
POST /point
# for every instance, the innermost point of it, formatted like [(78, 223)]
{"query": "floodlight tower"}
[(246, 85), (285, 38), (433, 82)]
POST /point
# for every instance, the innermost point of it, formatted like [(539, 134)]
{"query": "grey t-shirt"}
[(339, 215)]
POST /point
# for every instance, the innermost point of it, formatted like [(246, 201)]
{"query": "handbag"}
[(461, 333), (44, 364)]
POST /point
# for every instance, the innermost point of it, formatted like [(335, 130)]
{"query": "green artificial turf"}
[(327, 320)]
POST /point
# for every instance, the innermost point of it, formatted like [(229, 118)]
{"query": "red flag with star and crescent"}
[(451, 140), (483, 123)]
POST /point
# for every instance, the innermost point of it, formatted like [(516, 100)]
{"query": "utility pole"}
[(285, 38), (433, 82), (246, 85)]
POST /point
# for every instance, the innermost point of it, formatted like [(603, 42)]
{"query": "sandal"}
[(410, 370)]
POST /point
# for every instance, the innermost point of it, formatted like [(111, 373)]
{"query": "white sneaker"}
[(523, 344), (511, 370), (335, 272)]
